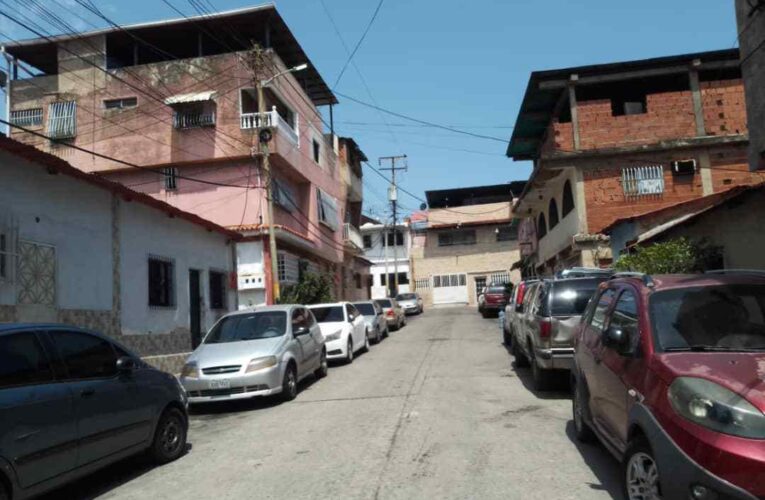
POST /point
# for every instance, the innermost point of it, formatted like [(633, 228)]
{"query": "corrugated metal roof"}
[(206, 95)]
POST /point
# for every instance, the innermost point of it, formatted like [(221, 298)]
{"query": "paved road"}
[(435, 411)]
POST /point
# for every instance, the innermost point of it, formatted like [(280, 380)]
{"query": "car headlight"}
[(715, 407), (190, 370), (261, 363), (333, 336)]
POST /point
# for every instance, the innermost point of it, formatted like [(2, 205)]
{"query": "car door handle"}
[(86, 393), (27, 435)]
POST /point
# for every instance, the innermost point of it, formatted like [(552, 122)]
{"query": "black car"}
[(73, 401)]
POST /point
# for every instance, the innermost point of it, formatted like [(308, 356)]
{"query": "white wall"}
[(69, 214), (378, 253), (249, 258), (380, 291), (144, 232)]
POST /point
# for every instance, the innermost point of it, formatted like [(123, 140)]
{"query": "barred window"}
[(170, 175), (457, 237), (161, 282), (217, 290)]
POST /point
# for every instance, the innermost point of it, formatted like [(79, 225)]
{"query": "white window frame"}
[(325, 204), (121, 101), (644, 181), (62, 119)]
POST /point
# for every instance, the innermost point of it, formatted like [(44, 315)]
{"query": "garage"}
[(450, 289)]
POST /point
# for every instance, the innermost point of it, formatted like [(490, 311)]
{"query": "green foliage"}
[(312, 289), (673, 256)]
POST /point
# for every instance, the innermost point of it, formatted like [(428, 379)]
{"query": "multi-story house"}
[(387, 248), (750, 15), (177, 100), (468, 241), (616, 140)]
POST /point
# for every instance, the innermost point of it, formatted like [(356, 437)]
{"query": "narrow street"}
[(435, 411)]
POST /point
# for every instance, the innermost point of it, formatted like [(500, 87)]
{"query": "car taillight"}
[(389, 313), (521, 292), (545, 328)]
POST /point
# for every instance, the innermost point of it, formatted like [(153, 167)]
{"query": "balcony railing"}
[(271, 119), (184, 120), (352, 236)]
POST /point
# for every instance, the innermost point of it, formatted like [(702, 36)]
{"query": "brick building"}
[(614, 140), (750, 16)]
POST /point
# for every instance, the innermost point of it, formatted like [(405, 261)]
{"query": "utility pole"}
[(393, 197)]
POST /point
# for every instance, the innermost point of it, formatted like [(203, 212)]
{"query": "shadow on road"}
[(605, 467), (560, 389)]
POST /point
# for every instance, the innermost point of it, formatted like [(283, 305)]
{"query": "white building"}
[(388, 250), (81, 250)]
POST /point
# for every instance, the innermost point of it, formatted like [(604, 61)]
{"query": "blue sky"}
[(459, 63)]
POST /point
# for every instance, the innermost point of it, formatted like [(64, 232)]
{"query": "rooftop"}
[(477, 195)]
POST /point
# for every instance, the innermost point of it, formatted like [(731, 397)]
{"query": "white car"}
[(344, 329)]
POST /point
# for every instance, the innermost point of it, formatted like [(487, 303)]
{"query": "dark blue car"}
[(73, 401)]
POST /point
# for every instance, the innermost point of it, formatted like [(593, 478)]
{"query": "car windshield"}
[(366, 309), (719, 317), (253, 326), (406, 296), (571, 298), (331, 314), (384, 303)]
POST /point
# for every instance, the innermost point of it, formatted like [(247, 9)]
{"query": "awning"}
[(193, 97)]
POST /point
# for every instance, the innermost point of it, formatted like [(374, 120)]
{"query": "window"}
[(570, 298), (643, 181), (31, 117), (170, 178), (357, 279), (217, 290), (288, 267), (541, 226), (684, 168), (327, 210), (331, 314), (62, 119), (85, 356), (383, 281), (161, 282), (553, 213), (284, 195), (23, 361), (625, 315), (507, 233), (316, 151), (395, 238), (194, 114), (456, 237), (349, 309), (568, 199), (240, 327), (367, 240), (446, 280), (299, 319), (123, 103), (598, 319), (480, 284)]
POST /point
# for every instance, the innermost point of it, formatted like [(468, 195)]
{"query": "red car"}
[(494, 299), (670, 376)]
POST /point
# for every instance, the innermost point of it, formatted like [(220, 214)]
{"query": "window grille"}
[(643, 181)]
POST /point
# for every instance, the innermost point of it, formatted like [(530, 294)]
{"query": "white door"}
[(358, 326), (450, 289)]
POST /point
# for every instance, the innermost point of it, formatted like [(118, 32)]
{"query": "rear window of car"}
[(496, 289), (332, 314), (384, 303), (571, 298), (406, 296), (366, 309)]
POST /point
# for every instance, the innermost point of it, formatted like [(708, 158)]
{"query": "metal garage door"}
[(450, 289)]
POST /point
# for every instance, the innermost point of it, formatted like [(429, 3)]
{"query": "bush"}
[(673, 256), (312, 289)]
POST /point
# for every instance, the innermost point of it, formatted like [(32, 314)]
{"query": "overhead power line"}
[(358, 44)]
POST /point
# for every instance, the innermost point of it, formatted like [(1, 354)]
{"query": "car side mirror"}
[(126, 364), (301, 330), (617, 339)]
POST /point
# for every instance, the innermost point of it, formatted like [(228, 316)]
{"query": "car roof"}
[(674, 281), (278, 307), (328, 304)]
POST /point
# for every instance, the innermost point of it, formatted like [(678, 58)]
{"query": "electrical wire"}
[(358, 44)]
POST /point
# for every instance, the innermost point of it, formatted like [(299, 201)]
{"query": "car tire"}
[(520, 358), (366, 342), (579, 409), (289, 384), (386, 332), (639, 454), (542, 378), (170, 437), (323, 368), (349, 355), (507, 337), (404, 321), (378, 336)]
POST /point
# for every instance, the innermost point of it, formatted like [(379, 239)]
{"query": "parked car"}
[(494, 299), (669, 376), (73, 401), (411, 303), (393, 312), (374, 318), (585, 272), (254, 353), (513, 309), (544, 336), (345, 331)]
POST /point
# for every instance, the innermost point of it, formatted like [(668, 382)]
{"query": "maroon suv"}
[(670, 375), (494, 299)]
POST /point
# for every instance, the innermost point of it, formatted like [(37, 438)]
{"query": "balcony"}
[(185, 120), (271, 119), (352, 236)]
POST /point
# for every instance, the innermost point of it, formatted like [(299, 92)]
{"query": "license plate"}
[(220, 384)]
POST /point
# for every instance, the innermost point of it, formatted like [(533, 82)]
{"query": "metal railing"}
[(270, 119), (62, 120), (184, 120), (27, 117), (352, 235)]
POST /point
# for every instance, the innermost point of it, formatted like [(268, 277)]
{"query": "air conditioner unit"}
[(684, 167)]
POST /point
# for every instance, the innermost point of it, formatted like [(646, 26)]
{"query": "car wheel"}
[(484, 314), (170, 437), (520, 358), (542, 378), (323, 368), (378, 336), (289, 384), (640, 472), (386, 332), (507, 338), (580, 408), (404, 321), (349, 356), (366, 342), (4, 495)]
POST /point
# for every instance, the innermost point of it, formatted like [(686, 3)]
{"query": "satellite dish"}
[(423, 206)]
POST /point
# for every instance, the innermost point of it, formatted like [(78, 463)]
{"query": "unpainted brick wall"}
[(724, 107), (730, 168)]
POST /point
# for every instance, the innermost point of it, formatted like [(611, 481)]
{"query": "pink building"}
[(176, 100)]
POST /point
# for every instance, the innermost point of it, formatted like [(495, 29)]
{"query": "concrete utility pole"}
[(393, 197)]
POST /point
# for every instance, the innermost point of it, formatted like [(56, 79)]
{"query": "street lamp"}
[(269, 179)]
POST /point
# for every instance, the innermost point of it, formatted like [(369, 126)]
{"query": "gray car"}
[(258, 352), (411, 302), (374, 318), (393, 313), (73, 401)]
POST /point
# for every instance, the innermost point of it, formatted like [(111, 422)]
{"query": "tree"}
[(312, 289), (672, 256)]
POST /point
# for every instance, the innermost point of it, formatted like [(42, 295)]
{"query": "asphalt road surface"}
[(435, 411)]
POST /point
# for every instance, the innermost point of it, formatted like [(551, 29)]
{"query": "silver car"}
[(373, 316), (411, 303), (393, 313), (259, 352)]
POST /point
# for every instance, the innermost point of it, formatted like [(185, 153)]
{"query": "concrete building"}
[(116, 261), (750, 16), (615, 140), (470, 240), (387, 248), (177, 98)]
